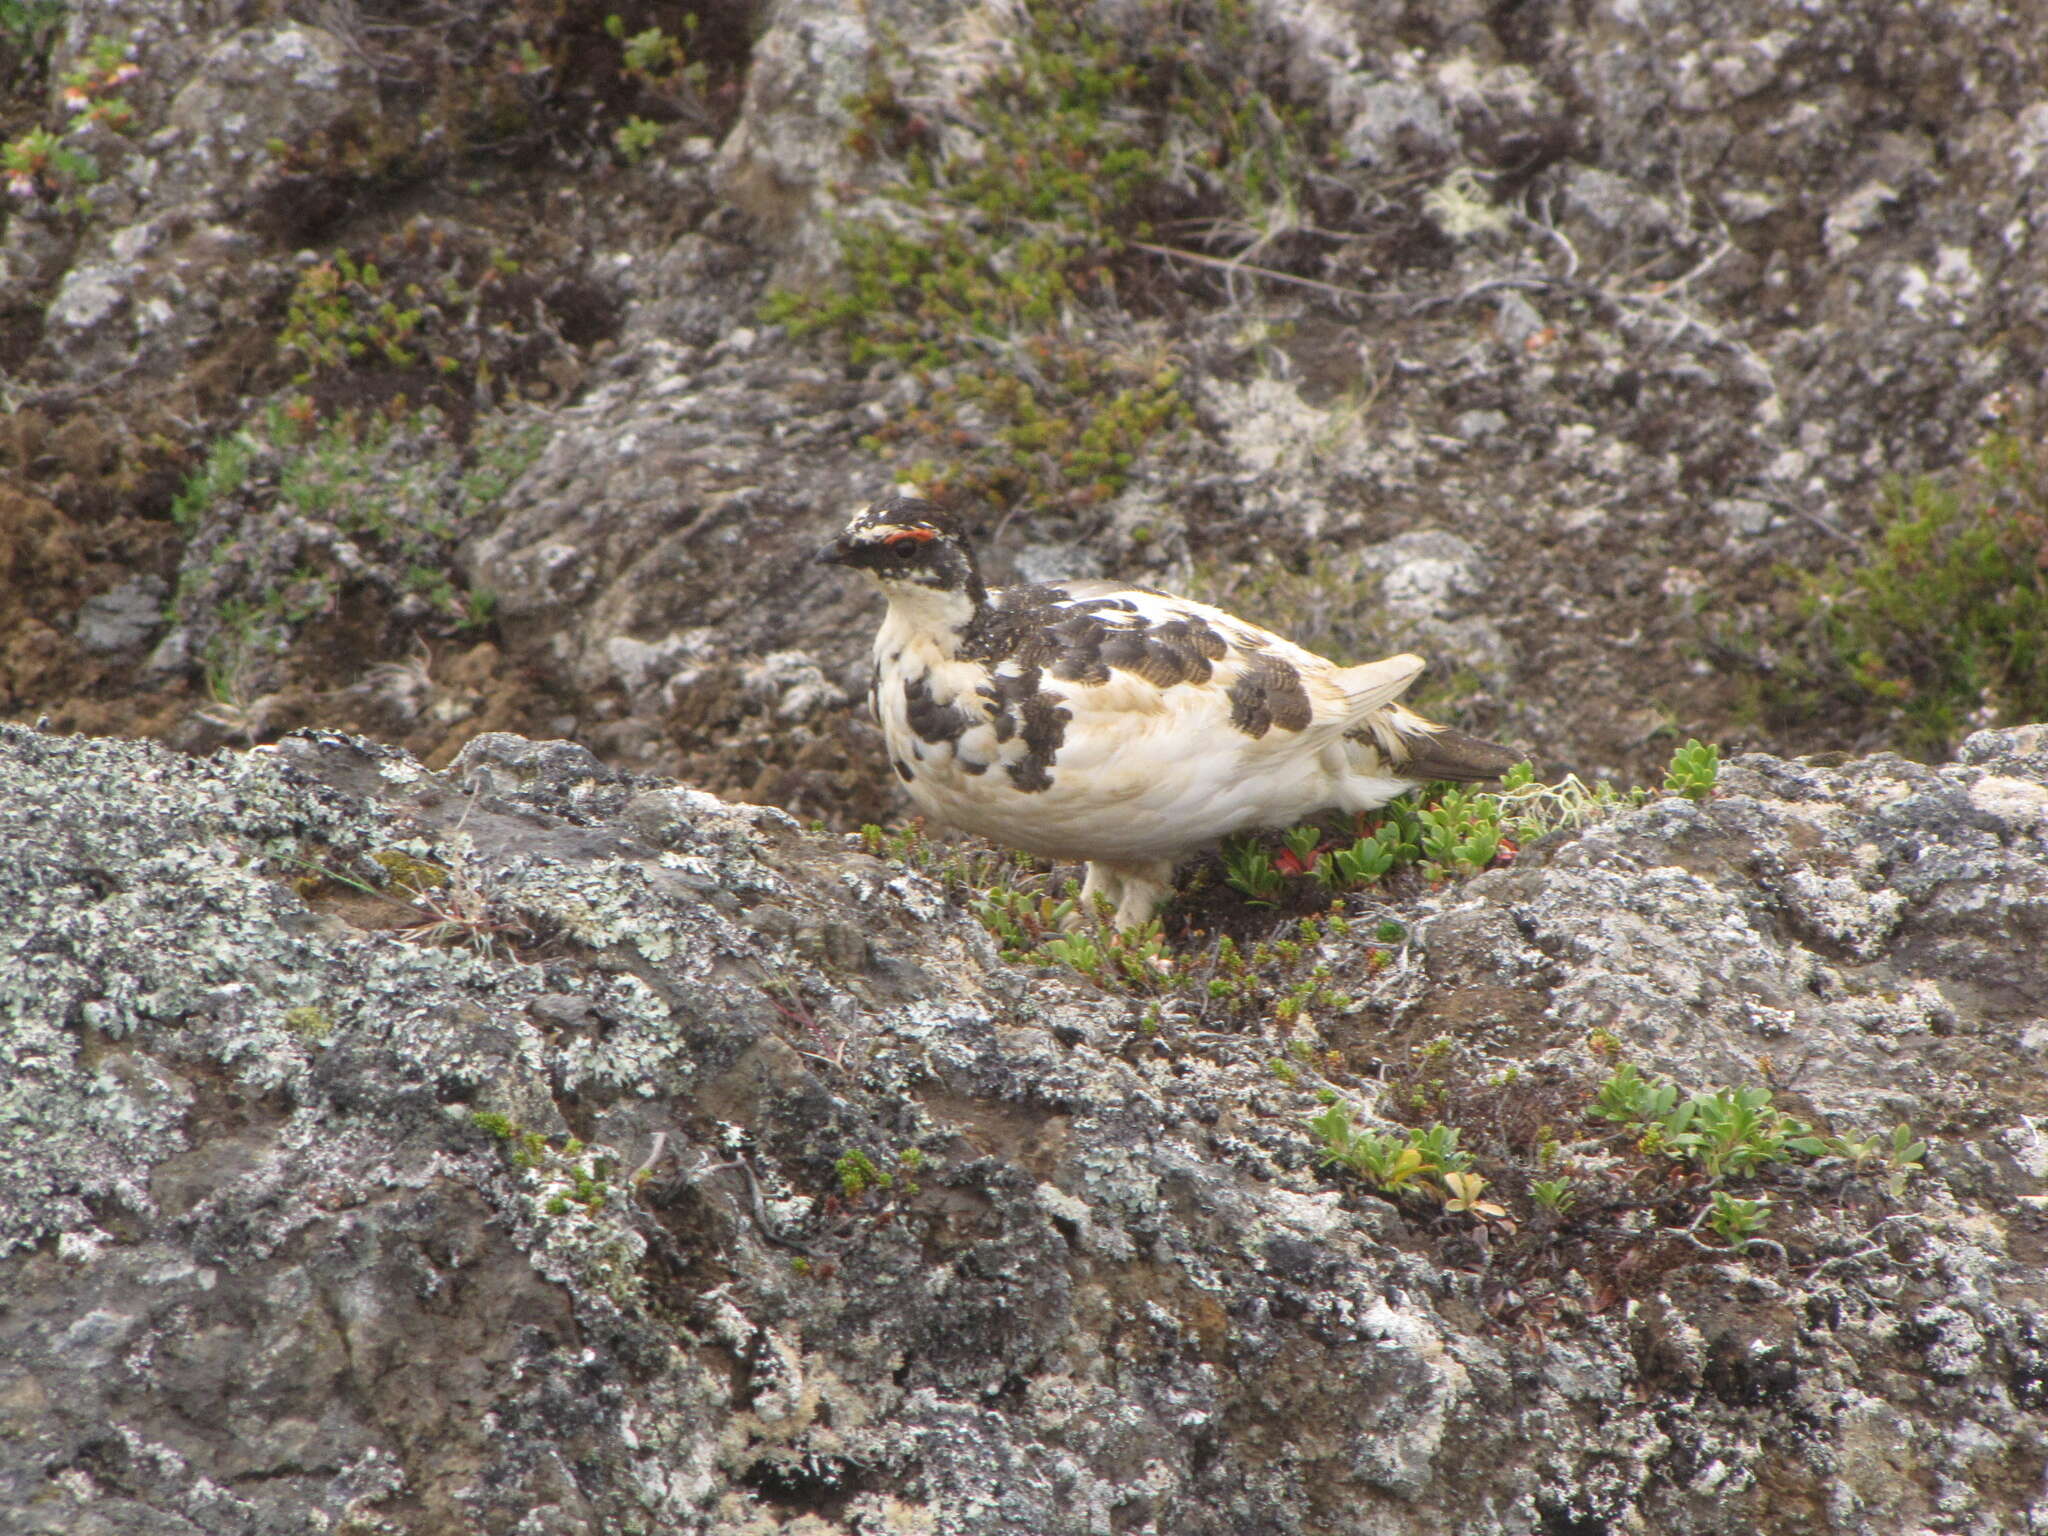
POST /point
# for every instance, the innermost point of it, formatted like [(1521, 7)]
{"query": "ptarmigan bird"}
[(1113, 724)]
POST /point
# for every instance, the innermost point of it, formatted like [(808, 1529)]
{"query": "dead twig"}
[(1229, 265)]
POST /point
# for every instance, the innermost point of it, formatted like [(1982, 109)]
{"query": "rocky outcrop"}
[(534, 1146)]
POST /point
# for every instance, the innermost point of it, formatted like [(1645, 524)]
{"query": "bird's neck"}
[(937, 618)]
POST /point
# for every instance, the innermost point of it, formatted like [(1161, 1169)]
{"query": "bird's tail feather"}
[(1376, 684), (1438, 752)]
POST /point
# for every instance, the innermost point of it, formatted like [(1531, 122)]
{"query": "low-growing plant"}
[(450, 902), (43, 162), (1248, 867), (1735, 1220), (1279, 977), (1943, 625), (1737, 1132), (970, 269), (394, 491), (634, 138), (1901, 1155), (93, 84), (656, 58), (1461, 832), (858, 1173), (581, 1180), (1373, 857), (1394, 1162), (417, 319), (343, 312), (28, 27), (1461, 1196), (1134, 960), (1627, 1096), (1694, 768)]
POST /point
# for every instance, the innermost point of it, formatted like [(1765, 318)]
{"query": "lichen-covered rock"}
[(536, 1146), (256, 90)]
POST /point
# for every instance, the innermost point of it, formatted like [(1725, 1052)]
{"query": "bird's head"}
[(914, 551)]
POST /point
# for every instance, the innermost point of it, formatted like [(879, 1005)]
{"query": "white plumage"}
[(1113, 724)]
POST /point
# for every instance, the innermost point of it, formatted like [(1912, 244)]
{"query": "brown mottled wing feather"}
[(1442, 753)]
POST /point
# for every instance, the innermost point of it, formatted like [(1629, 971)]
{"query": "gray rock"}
[(301, 1212), (1396, 118), (276, 83), (123, 618)]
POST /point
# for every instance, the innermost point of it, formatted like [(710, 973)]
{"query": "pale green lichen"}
[(152, 922), (641, 1048)]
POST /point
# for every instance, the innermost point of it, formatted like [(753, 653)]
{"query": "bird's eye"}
[(904, 549)]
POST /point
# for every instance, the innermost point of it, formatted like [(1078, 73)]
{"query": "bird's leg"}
[(1104, 880), (1145, 889)]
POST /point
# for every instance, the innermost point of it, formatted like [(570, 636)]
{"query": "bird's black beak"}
[(838, 552)]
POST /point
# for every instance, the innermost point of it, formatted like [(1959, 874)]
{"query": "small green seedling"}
[(1694, 768), (1248, 868), (1736, 1220), (1461, 1196)]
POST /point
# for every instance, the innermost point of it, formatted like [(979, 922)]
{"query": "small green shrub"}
[(342, 312), (92, 86), (42, 163), (1461, 833), (1735, 1220), (1249, 868), (1944, 626), (1372, 858), (29, 27), (1461, 1196), (634, 138), (1737, 1132), (858, 1173)]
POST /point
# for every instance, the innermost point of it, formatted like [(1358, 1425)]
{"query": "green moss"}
[(310, 1021), (222, 473), (980, 273), (397, 490), (858, 1174), (409, 873)]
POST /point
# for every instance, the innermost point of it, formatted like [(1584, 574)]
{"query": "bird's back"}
[(1096, 720)]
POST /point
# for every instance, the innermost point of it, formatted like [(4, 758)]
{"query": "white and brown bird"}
[(1109, 723)]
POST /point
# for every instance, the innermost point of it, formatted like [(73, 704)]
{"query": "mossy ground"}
[(1580, 1166), (1941, 627), (485, 305), (1018, 275)]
